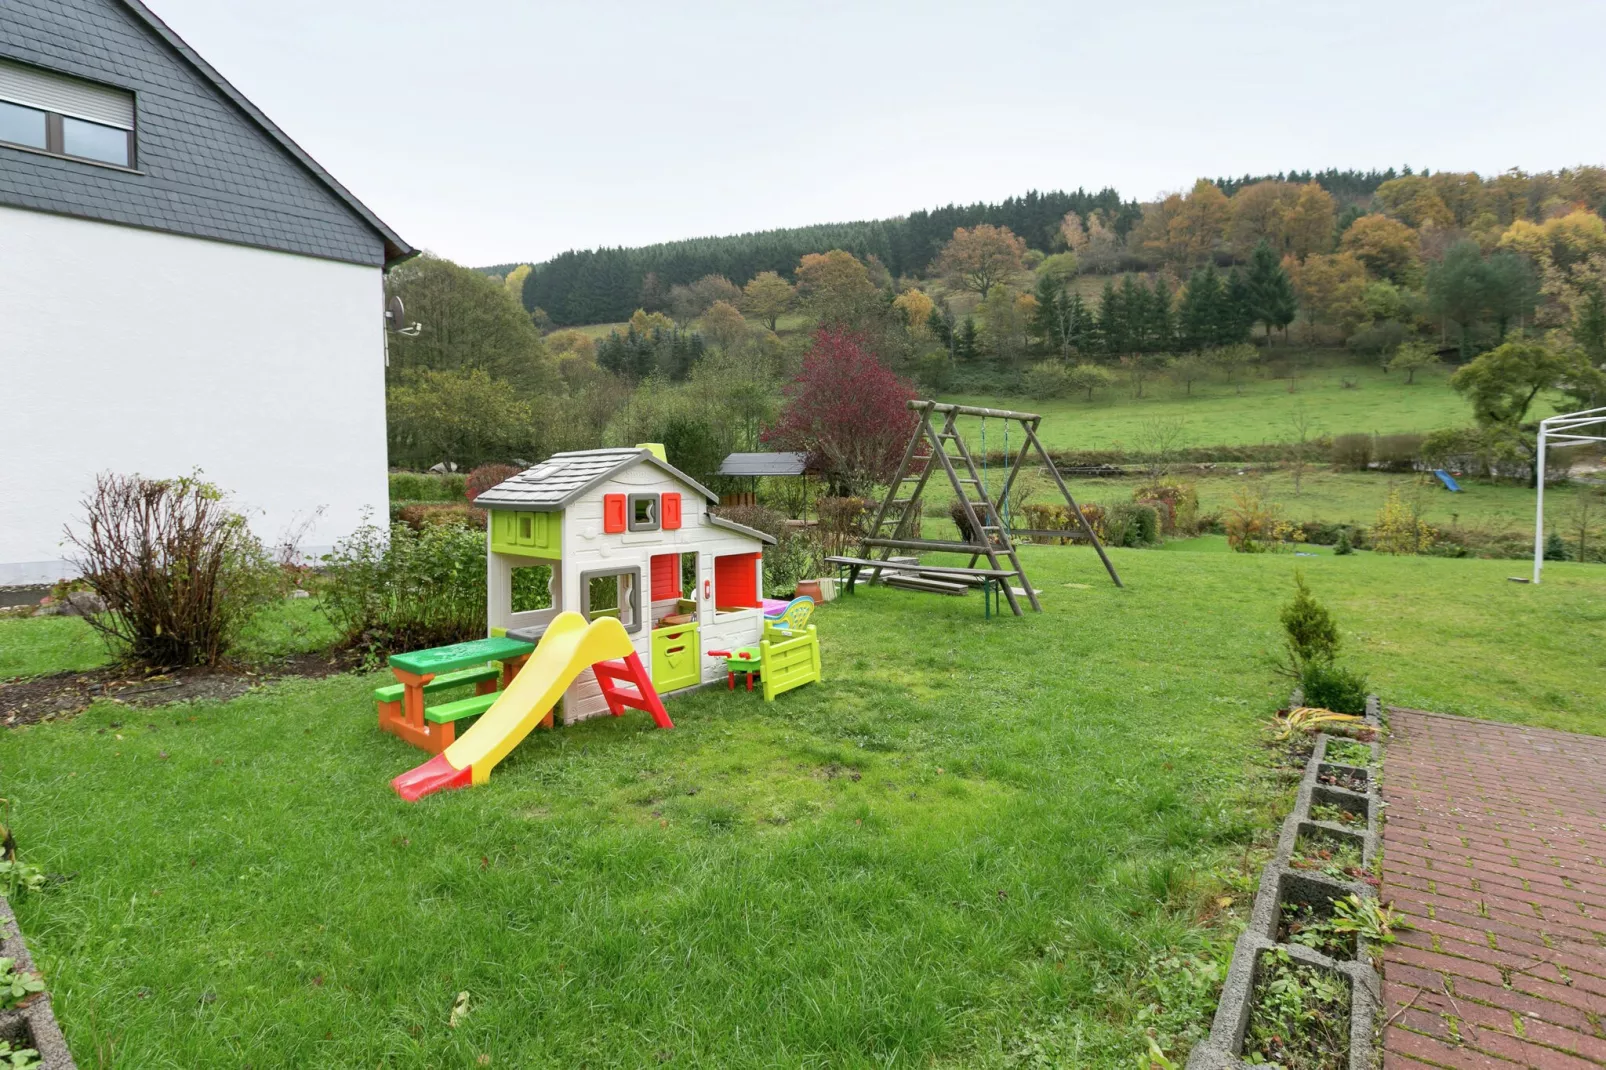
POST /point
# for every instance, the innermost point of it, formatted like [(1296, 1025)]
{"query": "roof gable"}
[(564, 477), (208, 163)]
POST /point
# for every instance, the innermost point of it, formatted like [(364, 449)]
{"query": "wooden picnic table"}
[(417, 668)]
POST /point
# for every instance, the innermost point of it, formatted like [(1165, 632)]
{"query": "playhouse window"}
[(643, 512), (531, 587), (612, 593), (736, 581)]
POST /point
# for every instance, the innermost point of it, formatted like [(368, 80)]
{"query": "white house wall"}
[(125, 350), (587, 548)]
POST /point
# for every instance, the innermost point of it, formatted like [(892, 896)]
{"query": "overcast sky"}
[(497, 130)]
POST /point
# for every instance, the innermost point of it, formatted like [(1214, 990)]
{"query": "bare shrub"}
[(842, 522), (179, 571), (1353, 451)]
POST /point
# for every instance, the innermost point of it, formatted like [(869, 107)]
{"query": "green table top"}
[(460, 655)]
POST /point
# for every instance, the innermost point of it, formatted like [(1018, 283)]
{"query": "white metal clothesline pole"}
[(1558, 428)]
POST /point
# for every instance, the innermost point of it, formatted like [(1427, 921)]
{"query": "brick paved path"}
[(1495, 846)]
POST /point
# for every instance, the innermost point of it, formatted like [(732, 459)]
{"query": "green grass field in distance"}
[(1218, 415), (975, 838)]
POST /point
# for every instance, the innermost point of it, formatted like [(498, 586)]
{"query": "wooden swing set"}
[(990, 532)]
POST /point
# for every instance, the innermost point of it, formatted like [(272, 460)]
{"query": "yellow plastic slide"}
[(569, 647)]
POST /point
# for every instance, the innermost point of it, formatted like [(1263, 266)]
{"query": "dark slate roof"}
[(563, 477), (208, 163), (764, 464)]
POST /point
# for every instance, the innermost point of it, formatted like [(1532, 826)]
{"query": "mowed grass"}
[(1257, 409), (39, 646), (978, 843)]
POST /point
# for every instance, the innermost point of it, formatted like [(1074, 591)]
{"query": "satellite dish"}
[(396, 318)]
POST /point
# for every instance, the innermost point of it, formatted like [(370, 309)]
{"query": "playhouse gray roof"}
[(764, 464), (561, 478)]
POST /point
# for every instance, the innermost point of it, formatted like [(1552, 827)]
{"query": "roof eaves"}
[(720, 522), (396, 250)]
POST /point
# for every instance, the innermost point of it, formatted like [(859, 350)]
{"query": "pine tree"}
[(966, 345), (1048, 321), (1084, 333), (1271, 291), (1135, 313), (1201, 309), (1589, 326), (1161, 332), (1111, 320), (1238, 311)]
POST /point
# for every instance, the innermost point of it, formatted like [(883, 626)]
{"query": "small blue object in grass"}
[(1448, 480), (1305, 553)]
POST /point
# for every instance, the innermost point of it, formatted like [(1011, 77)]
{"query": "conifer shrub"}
[(1333, 687), (1311, 633)]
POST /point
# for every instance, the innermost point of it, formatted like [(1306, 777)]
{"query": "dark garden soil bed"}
[(1333, 776), (1348, 752), (1310, 923), (1299, 1015), (44, 698), (1330, 854)]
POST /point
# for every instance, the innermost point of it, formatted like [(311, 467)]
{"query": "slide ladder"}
[(569, 647)]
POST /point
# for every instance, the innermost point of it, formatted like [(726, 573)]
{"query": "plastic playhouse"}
[(648, 590)]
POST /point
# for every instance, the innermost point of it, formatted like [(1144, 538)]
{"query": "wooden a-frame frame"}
[(985, 515)]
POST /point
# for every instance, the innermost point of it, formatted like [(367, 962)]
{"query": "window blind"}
[(49, 91)]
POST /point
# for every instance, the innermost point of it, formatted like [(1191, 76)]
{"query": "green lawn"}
[(37, 646), (1218, 414), (978, 843)]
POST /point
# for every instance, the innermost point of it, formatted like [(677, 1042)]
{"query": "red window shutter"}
[(665, 576), (613, 513), (736, 580), (669, 504)]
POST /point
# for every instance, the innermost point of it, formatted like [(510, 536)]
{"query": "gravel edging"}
[(32, 1025), (1223, 1048)]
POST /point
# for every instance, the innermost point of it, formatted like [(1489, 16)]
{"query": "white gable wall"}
[(132, 351), (587, 548)]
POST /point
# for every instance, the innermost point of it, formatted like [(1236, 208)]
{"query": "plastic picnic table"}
[(417, 668)]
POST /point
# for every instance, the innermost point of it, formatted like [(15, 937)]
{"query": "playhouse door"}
[(676, 658)]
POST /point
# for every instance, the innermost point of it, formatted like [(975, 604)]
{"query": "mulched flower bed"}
[(1349, 781)]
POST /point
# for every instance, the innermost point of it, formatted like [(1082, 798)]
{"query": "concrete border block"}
[(34, 1023), (1223, 1048)]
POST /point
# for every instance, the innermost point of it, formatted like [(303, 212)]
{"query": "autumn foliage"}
[(848, 411)]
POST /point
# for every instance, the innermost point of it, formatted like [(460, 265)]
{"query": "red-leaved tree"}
[(848, 411)]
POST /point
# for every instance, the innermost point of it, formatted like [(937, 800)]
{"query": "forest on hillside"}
[(1233, 280), (606, 285)]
